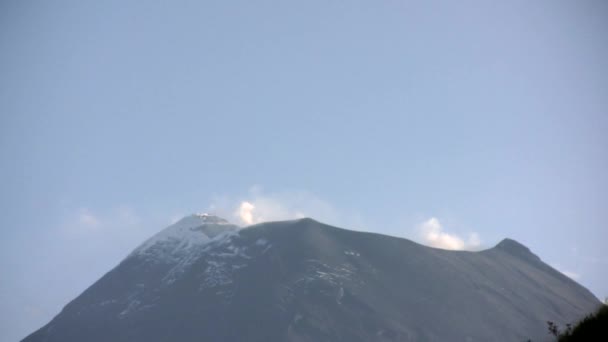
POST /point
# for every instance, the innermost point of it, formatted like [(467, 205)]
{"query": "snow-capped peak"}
[(184, 235), (205, 218)]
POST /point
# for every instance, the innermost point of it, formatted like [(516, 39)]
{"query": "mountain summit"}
[(184, 238), (204, 279)]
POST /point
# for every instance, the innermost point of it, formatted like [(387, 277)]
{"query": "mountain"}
[(204, 279)]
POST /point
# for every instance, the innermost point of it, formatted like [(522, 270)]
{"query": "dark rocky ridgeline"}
[(205, 280)]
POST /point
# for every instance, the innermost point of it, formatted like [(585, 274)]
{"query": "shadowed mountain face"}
[(203, 279)]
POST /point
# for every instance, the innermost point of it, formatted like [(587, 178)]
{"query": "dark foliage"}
[(594, 327)]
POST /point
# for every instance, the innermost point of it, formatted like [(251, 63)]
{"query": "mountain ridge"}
[(303, 280)]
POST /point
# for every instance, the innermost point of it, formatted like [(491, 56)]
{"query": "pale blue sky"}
[(117, 117)]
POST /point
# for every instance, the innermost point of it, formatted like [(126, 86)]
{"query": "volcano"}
[(204, 279)]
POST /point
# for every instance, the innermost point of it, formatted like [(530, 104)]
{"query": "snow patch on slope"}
[(179, 239)]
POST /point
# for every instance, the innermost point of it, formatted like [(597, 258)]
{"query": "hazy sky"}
[(455, 124)]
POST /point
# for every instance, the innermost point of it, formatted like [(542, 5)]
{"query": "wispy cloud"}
[(35, 311), (87, 219), (584, 257), (174, 218), (127, 215), (84, 221), (567, 272), (258, 206), (432, 233), (571, 275)]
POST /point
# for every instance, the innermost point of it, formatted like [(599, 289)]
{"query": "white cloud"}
[(432, 233), (571, 275), (568, 273), (35, 311), (259, 206), (127, 216), (87, 220), (174, 218), (474, 241), (245, 212)]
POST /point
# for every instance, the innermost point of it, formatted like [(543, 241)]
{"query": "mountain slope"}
[(305, 281)]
